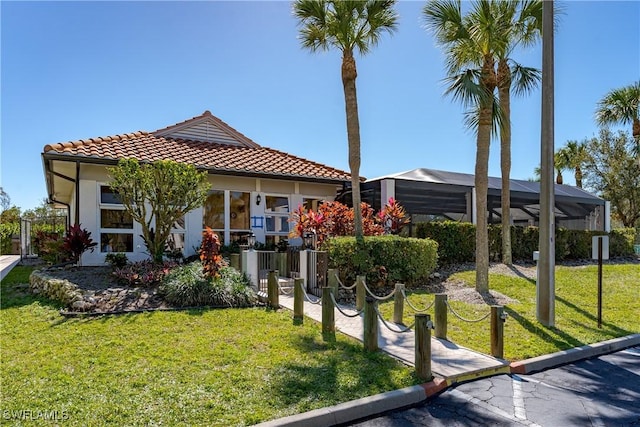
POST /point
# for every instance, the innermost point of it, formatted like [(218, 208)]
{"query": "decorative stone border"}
[(60, 290)]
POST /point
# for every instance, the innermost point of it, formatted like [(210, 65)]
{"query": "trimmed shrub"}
[(456, 240), (187, 286), (621, 241), (389, 259), (116, 260)]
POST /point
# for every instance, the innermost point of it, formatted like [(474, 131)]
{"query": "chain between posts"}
[(281, 289), (306, 296), (384, 322), (377, 297), (414, 308), (348, 288), (335, 304), (467, 320)]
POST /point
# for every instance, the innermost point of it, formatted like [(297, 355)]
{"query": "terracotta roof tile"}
[(148, 147)]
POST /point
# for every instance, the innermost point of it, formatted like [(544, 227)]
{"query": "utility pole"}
[(545, 293)]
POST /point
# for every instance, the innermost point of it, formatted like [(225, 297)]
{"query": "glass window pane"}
[(277, 224), (276, 204), (116, 242), (311, 204), (107, 195), (179, 224), (114, 218), (213, 211), (175, 242), (240, 210)]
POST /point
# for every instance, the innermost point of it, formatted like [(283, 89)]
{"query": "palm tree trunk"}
[(504, 93), (578, 176), (481, 184), (349, 75)]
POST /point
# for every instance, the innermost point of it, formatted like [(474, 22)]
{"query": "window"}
[(276, 212), (213, 211), (176, 239), (116, 224), (230, 210), (311, 204)]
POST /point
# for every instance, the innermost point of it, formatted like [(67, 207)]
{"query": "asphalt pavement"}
[(603, 391)]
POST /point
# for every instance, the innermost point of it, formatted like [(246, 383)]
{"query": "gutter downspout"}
[(77, 219)]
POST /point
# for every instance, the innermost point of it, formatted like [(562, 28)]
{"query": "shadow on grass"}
[(614, 329), (564, 341), (15, 291), (336, 371)]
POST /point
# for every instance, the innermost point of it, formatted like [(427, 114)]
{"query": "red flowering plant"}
[(393, 217), (210, 254)]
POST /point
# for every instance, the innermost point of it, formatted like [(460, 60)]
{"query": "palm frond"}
[(524, 79)]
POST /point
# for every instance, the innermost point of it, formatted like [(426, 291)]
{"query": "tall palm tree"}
[(347, 26), (622, 106), (470, 43), (523, 21), (573, 156)]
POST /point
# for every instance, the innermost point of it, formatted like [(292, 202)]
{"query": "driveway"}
[(603, 391)]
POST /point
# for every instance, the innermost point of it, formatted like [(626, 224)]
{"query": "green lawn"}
[(200, 367), (576, 311)]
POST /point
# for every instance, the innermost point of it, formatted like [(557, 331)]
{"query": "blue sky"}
[(74, 70)]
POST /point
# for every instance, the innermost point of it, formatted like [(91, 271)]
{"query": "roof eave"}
[(48, 156)]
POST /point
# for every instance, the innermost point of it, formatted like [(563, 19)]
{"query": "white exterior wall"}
[(92, 176)]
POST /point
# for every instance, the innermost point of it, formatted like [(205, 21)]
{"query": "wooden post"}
[(273, 294), (497, 331), (234, 261), (298, 301), (370, 335), (328, 316), (440, 308), (423, 346), (398, 304), (333, 281), (361, 292)]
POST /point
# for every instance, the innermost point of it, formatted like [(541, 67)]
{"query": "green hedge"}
[(386, 260), (7, 230), (457, 241)]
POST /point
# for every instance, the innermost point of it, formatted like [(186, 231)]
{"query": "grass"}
[(575, 308), (198, 367)]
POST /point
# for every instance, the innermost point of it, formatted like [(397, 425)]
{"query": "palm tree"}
[(524, 26), (573, 156), (622, 106), (347, 26), (470, 44)]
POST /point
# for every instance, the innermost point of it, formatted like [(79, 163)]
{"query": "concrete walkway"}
[(7, 262), (448, 360)]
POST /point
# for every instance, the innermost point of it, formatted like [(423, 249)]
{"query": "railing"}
[(317, 266)]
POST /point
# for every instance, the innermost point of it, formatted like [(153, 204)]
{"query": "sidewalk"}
[(7, 262), (449, 361)]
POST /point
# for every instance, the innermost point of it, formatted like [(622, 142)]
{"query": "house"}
[(428, 193), (254, 188)]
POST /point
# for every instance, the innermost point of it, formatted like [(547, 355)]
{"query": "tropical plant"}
[(612, 171), (116, 259), (393, 217), (144, 273), (471, 43), (622, 106), (572, 156), (77, 241), (159, 193), (524, 26), (350, 27), (210, 254)]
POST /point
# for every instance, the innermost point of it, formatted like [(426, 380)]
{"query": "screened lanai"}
[(429, 194)]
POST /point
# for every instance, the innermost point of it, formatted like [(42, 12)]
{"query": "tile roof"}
[(215, 157)]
